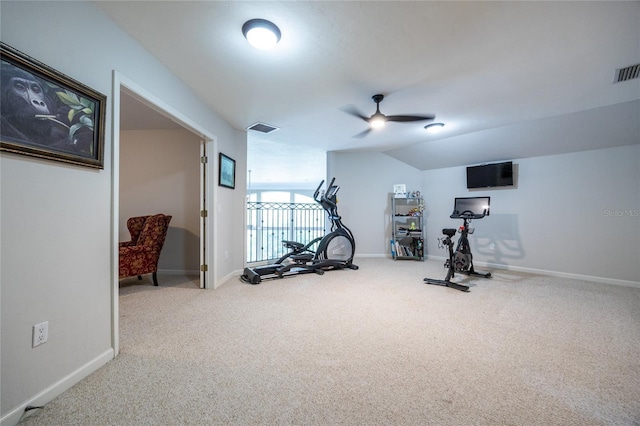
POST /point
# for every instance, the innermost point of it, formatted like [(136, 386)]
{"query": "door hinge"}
[(204, 213), (204, 268), (203, 159)]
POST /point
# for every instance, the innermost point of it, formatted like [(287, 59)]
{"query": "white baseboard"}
[(47, 395), (603, 280), (223, 280), (216, 284), (179, 271)]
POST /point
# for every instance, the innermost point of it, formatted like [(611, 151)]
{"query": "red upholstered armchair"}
[(140, 255)]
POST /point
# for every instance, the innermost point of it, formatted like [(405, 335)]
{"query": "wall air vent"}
[(263, 128), (627, 73)]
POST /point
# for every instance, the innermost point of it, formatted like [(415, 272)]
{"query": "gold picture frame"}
[(47, 114)]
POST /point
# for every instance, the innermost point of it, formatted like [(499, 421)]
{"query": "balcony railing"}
[(270, 223)]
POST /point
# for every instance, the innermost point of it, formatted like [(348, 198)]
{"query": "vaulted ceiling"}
[(501, 76)]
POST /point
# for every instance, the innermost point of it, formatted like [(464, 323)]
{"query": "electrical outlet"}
[(40, 333), (226, 254)]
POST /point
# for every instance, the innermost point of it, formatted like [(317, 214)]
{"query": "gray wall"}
[(56, 220), (366, 182), (571, 214)]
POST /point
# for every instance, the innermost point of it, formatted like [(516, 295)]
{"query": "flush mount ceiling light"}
[(434, 127), (261, 34)]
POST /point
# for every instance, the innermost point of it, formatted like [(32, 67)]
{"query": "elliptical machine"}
[(462, 260), (335, 250)]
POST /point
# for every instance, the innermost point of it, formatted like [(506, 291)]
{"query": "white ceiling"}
[(488, 70)]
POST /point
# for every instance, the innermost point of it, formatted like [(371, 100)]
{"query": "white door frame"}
[(206, 220), (208, 223)]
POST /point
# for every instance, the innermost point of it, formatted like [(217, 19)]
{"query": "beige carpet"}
[(369, 347)]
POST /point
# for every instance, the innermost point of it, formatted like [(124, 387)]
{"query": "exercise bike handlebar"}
[(468, 214)]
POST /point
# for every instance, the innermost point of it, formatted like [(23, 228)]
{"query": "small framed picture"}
[(47, 114), (400, 188), (227, 175)]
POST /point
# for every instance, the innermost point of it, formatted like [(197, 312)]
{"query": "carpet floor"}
[(374, 346)]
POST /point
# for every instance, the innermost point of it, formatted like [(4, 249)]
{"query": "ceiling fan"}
[(378, 119)]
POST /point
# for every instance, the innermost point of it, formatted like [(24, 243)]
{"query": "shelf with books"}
[(407, 228)]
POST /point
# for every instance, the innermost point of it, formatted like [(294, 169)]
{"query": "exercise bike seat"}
[(449, 232)]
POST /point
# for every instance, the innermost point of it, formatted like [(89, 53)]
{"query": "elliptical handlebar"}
[(332, 180), (315, 194), (325, 197)]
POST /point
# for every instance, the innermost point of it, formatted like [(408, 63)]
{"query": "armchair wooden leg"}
[(155, 279)]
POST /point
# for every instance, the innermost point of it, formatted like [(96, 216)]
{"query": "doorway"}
[(136, 110), (159, 173)]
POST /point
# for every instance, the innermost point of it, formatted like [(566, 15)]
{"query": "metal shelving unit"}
[(407, 228)]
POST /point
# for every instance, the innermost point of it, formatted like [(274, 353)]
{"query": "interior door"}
[(204, 215)]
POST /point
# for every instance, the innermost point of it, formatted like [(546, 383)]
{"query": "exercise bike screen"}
[(478, 206)]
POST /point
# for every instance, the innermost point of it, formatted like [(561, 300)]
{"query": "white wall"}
[(160, 173), (56, 220)]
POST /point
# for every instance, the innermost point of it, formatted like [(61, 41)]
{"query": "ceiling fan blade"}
[(362, 134), (406, 118), (350, 109)]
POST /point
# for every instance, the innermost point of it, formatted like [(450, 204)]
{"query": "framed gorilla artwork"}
[(48, 115)]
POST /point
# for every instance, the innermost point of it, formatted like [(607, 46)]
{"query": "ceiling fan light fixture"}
[(434, 127), (261, 34), (377, 121)]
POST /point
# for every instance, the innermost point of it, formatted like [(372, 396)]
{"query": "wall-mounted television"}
[(490, 175)]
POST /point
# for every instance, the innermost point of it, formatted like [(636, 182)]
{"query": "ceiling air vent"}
[(262, 128), (628, 73)]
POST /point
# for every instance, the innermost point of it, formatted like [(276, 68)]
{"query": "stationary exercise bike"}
[(335, 250), (462, 260)]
